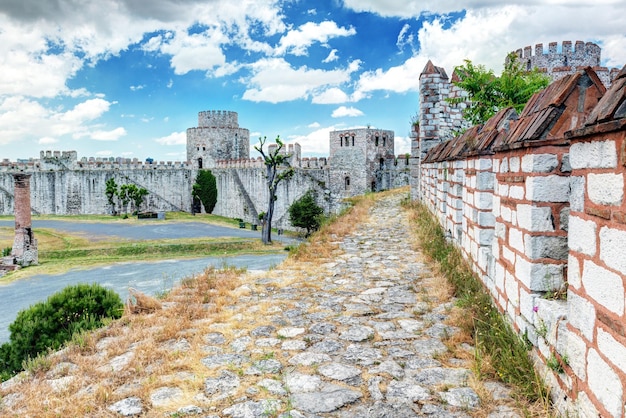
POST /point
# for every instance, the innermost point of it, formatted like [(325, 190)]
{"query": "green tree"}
[(306, 213), (273, 160), (487, 93), (111, 193), (48, 325), (137, 195), (124, 195), (205, 190)]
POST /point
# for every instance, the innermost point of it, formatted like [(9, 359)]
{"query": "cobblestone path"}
[(364, 341), (356, 335)]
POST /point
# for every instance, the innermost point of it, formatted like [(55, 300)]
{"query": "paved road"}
[(146, 231), (148, 277)]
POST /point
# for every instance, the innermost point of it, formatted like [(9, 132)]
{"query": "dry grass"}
[(145, 335)]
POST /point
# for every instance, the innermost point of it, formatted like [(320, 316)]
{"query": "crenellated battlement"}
[(68, 160), (218, 119), (557, 63), (588, 52)]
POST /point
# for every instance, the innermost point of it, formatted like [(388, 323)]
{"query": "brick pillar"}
[(24, 245)]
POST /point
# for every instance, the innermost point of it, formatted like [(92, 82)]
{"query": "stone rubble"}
[(357, 337)]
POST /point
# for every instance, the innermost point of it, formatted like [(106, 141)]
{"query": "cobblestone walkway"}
[(354, 336), (363, 342)]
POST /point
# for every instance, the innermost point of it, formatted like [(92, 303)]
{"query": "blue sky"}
[(126, 78)]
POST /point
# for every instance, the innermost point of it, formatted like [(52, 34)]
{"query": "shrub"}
[(47, 325), (305, 213)]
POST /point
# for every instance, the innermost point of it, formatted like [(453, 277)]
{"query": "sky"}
[(126, 78)]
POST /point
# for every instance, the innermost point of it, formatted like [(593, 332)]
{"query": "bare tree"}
[(274, 160)]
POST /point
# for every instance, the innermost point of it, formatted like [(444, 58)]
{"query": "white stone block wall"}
[(558, 222), (597, 271)]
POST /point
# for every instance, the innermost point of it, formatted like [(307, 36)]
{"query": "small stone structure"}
[(24, 252), (536, 203)]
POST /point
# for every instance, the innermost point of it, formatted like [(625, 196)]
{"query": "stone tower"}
[(559, 63), (358, 160), (439, 120), (217, 137), (24, 245)]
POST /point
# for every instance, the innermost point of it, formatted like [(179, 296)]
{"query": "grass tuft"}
[(500, 352)]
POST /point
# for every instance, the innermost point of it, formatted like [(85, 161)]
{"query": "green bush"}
[(48, 325), (305, 213)]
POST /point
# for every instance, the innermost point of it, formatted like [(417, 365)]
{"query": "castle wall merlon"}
[(218, 119)]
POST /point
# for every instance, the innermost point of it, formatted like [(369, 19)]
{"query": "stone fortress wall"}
[(62, 184), (559, 63), (536, 203)]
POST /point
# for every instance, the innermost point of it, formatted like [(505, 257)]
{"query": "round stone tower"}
[(217, 137)]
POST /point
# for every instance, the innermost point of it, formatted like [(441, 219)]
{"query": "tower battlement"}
[(217, 119), (557, 63)]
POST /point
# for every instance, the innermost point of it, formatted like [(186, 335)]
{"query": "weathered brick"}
[(577, 193), (514, 164), (606, 287), (516, 192), (539, 163), (582, 236), (573, 272), (577, 355), (504, 165), (612, 349), (516, 239), (606, 189), (597, 154), (484, 200), (546, 247), (581, 314), (605, 384), (548, 189), (485, 181), (613, 248), (535, 218), (538, 277)]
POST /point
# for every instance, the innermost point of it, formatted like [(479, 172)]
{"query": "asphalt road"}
[(145, 231), (148, 277)]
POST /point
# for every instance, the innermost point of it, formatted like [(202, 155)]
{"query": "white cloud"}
[(138, 87), (332, 56), (405, 37), (23, 119), (104, 153), (343, 111), (332, 95), (314, 143), (175, 138), (275, 81), (402, 145), (297, 41), (112, 135), (86, 111), (398, 79), (46, 140), (314, 125), (195, 52)]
